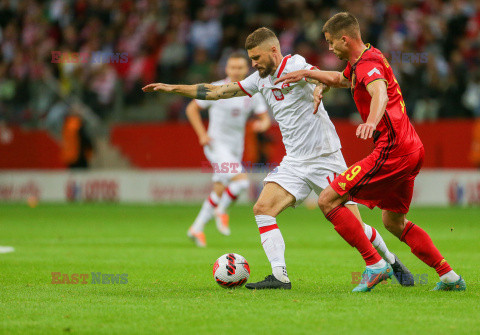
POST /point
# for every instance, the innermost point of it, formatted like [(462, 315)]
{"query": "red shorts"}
[(385, 183)]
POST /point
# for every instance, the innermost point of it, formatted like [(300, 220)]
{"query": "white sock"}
[(378, 265), (206, 213), (280, 272), (231, 194), (379, 244), (274, 245), (450, 277)]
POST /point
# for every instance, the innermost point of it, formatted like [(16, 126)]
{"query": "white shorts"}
[(300, 177), (226, 162)]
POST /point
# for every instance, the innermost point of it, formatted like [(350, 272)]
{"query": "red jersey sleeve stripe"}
[(240, 85), (282, 66)]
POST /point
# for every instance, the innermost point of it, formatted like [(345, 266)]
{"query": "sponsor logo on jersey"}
[(342, 185)]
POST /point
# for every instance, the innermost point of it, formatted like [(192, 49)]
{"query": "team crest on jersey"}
[(277, 93)]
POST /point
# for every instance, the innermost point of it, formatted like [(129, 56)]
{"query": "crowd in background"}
[(433, 47)]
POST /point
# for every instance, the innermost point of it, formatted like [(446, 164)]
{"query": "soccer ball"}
[(231, 270)]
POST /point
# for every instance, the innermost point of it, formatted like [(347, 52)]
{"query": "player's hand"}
[(365, 130), (259, 127), (291, 77), (157, 87), (204, 140), (317, 97)]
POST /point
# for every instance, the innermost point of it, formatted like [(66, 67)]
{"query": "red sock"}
[(422, 246), (348, 226)]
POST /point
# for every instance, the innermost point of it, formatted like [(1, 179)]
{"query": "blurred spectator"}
[(471, 98), (99, 93), (184, 40), (201, 69), (206, 32), (173, 59), (76, 144)]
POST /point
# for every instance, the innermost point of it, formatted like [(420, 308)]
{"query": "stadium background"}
[(68, 116)]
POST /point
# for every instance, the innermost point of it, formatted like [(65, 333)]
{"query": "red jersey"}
[(394, 134)]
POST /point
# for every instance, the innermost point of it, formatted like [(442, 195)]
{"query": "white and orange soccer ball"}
[(231, 270)]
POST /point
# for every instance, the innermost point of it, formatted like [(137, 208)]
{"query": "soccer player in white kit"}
[(223, 145), (313, 153)]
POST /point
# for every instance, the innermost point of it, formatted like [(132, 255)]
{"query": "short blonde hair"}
[(259, 36)]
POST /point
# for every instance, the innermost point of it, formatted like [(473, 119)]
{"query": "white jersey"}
[(305, 135), (227, 118)]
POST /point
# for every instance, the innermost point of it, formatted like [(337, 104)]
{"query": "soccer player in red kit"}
[(385, 178)]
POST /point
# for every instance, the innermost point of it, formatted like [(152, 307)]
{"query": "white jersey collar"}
[(281, 67)]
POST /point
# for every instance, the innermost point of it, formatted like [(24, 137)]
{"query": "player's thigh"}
[(212, 156), (240, 176), (320, 173), (398, 197), (322, 170), (292, 178), (400, 182), (210, 153), (218, 188), (329, 199), (273, 200), (225, 163), (364, 181)]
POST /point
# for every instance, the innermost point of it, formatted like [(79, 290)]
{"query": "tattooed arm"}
[(199, 91)]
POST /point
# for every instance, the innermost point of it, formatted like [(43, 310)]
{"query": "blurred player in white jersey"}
[(223, 145), (312, 161)]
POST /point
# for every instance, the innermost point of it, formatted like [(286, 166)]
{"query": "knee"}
[(324, 203), (260, 208), (389, 225)]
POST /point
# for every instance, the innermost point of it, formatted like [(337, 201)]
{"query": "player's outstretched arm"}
[(329, 78), (378, 92), (193, 114), (199, 91)]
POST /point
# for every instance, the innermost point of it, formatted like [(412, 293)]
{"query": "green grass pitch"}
[(171, 290)]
